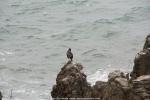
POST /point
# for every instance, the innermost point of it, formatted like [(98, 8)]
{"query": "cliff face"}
[(71, 81)]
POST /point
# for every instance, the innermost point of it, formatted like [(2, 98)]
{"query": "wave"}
[(3, 53), (99, 75)]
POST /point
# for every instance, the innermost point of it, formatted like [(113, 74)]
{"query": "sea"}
[(104, 35)]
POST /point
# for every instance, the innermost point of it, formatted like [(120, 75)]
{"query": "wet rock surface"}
[(71, 82)]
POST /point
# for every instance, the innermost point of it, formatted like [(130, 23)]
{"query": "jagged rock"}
[(71, 83), (142, 61), (114, 91), (113, 75), (119, 88), (141, 64), (98, 89), (116, 87), (141, 87), (122, 82)]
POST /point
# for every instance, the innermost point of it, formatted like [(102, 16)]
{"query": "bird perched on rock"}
[(69, 54)]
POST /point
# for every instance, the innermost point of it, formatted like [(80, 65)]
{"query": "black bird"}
[(69, 54)]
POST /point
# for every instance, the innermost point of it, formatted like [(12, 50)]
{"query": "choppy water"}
[(34, 35)]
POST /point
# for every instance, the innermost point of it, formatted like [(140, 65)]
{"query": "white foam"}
[(98, 76), (6, 53)]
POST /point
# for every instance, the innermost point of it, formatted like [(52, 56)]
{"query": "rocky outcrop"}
[(147, 42), (71, 81), (141, 87), (142, 61), (115, 89), (141, 64), (119, 87)]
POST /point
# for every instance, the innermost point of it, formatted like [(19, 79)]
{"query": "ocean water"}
[(104, 35)]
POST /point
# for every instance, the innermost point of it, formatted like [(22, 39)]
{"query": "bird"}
[(69, 54)]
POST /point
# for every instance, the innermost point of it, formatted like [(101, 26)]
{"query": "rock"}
[(141, 64), (114, 91), (147, 42), (71, 83), (119, 78), (142, 61), (122, 82), (141, 87), (98, 89), (117, 87), (115, 74)]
